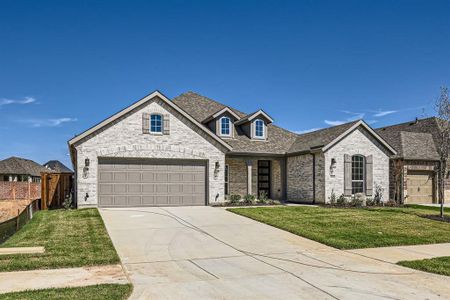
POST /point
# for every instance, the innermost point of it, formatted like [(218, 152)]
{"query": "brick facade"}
[(14, 190), (125, 138), (358, 142)]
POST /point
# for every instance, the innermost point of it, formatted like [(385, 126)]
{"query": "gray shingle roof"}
[(57, 166), (319, 138), (421, 145), (199, 107), (21, 166)]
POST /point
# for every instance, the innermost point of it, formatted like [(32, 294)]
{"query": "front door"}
[(264, 177)]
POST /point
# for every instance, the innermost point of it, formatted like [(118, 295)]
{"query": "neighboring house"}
[(195, 151), (58, 167), (416, 161), (20, 169)]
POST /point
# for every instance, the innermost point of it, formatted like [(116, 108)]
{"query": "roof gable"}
[(256, 114), (139, 103), (326, 138), (57, 166), (220, 112)]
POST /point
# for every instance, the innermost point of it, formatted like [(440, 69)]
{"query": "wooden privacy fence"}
[(18, 190), (55, 188), (11, 226)]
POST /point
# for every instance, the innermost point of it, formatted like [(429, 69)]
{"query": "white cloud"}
[(48, 122), (385, 113), (334, 123), (26, 100), (306, 130)]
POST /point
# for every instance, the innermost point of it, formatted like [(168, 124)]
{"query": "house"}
[(58, 167), (193, 150), (414, 168), (20, 169)]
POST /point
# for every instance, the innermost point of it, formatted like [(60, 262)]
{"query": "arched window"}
[(259, 128), (225, 128), (155, 123), (358, 174)]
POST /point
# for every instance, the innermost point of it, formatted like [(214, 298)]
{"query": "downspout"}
[(314, 177)]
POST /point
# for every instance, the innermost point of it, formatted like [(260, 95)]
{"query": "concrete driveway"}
[(209, 253)]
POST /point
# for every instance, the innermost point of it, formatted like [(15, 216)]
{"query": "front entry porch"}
[(255, 175)]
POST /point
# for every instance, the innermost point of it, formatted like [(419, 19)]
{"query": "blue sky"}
[(65, 66)]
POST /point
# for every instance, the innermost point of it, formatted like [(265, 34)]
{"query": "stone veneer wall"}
[(300, 178), (357, 142), (124, 138), (238, 176)]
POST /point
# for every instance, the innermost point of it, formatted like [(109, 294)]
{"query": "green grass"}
[(72, 238), (94, 292), (355, 228), (438, 265)]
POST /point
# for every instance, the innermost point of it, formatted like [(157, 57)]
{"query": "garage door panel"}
[(134, 177), (125, 182), (119, 176), (119, 189), (105, 177), (148, 177), (134, 201), (162, 188), (161, 177), (120, 200), (106, 200), (134, 189), (148, 200), (106, 188), (148, 188)]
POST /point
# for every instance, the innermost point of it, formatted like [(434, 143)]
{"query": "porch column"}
[(249, 176)]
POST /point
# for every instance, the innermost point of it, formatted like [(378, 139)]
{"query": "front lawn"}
[(72, 238), (94, 292), (346, 228), (438, 265)]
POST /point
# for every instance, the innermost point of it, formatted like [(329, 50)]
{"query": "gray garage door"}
[(145, 182)]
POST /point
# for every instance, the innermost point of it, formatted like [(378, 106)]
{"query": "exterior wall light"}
[(332, 166)]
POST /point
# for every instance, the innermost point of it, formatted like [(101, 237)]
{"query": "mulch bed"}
[(437, 218)]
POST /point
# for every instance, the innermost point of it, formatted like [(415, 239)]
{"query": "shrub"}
[(67, 203), (341, 201), (263, 197), (249, 199), (234, 199), (333, 198), (357, 200), (378, 196), (370, 202)]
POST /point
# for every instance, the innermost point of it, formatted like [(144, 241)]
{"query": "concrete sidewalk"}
[(59, 278), (396, 254)]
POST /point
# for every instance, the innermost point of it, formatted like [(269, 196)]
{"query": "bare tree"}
[(443, 113), (398, 165)]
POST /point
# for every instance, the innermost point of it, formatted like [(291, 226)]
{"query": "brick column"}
[(249, 176)]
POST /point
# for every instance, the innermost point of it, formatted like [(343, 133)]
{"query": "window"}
[(227, 180), (259, 128), (225, 126), (358, 174), (156, 123)]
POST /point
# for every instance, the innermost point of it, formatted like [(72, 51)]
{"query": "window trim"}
[(150, 123), (229, 126), (363, 181), (226, 179), (263, 136)]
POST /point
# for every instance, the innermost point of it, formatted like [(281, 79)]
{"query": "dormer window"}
[(225, 128), (259, 128), (156, 123)]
